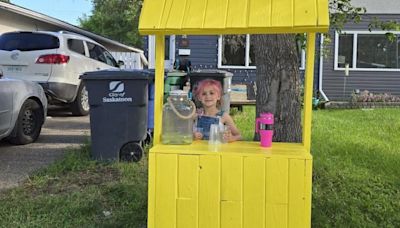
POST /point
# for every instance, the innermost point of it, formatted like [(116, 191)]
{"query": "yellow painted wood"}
[(277, 216), (308, 89), (308, 193), (187, 202), (207, 17), (243, 148), (221, 190), (277, 181), (237, 12), (175, 21), (209, 191), (231, 214), (261, 11), (282, 13), (151, 191), (192, 18), (323, 11), (231, 191), (159, 88), (305, 13), (254, 192), (215, 14), (166, 192), (296, 192), (232, 174)]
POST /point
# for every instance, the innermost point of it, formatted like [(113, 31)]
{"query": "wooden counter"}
[(232, 185)]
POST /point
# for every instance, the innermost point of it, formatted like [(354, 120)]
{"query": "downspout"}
[(321, 67)]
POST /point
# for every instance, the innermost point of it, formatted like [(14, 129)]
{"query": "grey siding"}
[(339, 88), (204, 55)]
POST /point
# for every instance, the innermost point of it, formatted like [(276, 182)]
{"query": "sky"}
[(65, 10)]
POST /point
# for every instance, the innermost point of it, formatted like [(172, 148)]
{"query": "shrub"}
[(366, 96)]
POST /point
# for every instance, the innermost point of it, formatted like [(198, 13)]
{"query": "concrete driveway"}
[(60, 132)]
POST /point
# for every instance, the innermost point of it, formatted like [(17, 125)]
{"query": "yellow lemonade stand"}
[(242, 184)]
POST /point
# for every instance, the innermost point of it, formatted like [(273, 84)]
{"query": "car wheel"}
[(80, 107), (29, 123)]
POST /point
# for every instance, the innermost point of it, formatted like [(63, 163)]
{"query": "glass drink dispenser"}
[(178, 113)]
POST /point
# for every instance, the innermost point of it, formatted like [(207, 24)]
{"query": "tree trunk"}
[(278, 84)]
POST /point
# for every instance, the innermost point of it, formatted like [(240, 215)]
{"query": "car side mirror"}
[(120, 63), (1, 73)]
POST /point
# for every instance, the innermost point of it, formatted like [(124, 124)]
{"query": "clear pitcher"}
[(178, 113)]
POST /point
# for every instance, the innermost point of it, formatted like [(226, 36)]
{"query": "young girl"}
[(209, 93)]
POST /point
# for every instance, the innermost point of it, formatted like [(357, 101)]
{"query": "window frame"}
[(355, 34), (247, 57)]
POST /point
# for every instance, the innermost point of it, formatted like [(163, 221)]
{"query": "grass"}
[(356, 179)]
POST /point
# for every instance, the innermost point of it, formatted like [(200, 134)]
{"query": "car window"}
[(27, 41), (76, 46), (100, 54)]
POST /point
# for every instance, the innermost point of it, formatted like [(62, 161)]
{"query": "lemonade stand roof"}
[(233, 16)]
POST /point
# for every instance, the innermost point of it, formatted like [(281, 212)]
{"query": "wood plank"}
[(166, 12), (260, 13), (187, 204), (166, 192), (215, 14), (176, 14), (276, 216), (231, 180), (192, 18), (254, 193), (209, 191), (305, 13), (237, 14), (308, 192), (231, 214), (231, 191), (187, 213), (151, 190), (277, 181), (282, 13), (151, 16), (296, 193)]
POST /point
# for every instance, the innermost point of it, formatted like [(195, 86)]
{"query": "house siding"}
[(337, 87)]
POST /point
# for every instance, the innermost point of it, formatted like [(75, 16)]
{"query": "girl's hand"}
[(198, 135), (227, 135)]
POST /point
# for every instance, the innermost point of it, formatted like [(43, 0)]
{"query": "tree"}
[(278, 77), (115, 19), (7, 1)]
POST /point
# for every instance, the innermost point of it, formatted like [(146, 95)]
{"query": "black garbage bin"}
[(118, 113)]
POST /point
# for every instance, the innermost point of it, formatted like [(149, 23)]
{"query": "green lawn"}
[(356, 179)]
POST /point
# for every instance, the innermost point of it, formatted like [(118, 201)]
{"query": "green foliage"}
[(356, 179), (342, 12), (115, 19), (8, 1), (79, 192)]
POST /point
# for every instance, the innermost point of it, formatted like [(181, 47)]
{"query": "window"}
[(367, 51), (100, 54), (28, 41), (235, 51), (76, 46)]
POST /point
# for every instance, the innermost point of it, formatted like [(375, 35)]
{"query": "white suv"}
[(55, 60)]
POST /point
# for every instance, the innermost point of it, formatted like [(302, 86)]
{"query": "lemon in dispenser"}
[(178, 114)]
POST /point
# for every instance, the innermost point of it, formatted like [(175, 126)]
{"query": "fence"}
[(131, 59)]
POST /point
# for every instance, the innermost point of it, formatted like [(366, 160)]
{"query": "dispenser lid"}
[(178, 93)]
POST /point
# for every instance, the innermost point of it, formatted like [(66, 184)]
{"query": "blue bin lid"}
[(118, 75)]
